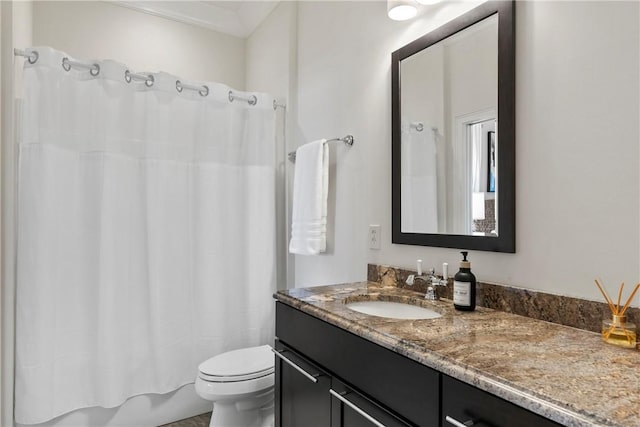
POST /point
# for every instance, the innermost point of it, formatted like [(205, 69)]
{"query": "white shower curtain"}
[(146, 234), (419, 180)]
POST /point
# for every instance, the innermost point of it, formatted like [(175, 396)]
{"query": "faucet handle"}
[(410, 280), (439, 282), (431, 294)]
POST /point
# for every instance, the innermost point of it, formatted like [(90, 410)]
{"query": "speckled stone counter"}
[(568, 311), (565, 374)]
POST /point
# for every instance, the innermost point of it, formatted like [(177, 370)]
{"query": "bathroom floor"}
[(197, 421)]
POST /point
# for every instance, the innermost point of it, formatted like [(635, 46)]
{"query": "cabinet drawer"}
[(400, 384), (464, 403), (351, 409), (301, 391)]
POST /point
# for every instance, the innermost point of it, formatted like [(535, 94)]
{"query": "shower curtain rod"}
[(348, 140), (31, 56), (148, 79)]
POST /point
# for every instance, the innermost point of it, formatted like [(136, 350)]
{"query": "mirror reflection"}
[(449, 140)]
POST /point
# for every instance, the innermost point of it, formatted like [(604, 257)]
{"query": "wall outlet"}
[(374, 236)]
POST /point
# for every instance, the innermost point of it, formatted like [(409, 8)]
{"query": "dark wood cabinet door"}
[(351, 409), (393, 381), (467, 405), (302, 391)]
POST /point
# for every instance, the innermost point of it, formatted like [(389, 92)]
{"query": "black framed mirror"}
[(453, 134)]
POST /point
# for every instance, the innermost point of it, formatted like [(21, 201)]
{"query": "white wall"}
[(271, 67), (93, 29), (577, 133), (344, 86)]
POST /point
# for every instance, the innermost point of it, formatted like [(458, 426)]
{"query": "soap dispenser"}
[(464, 286)]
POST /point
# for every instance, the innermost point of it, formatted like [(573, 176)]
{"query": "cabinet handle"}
[(312, 378), (355, 408), (457, 423)]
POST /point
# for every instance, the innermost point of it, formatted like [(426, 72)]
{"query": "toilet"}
[(240, 385)]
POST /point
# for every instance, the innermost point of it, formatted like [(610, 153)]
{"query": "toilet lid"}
[(239, 365)]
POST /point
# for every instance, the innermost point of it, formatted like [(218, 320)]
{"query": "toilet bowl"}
[(240, 385)]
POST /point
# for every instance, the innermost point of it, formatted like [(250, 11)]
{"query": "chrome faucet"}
[(431, 279), (432, 293), (425, 277)]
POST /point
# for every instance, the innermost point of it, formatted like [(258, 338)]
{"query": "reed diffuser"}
[(617, 330)]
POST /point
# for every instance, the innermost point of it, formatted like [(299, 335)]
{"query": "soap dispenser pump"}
[(464, 286)]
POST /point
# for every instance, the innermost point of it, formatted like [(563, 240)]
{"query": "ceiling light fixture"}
[(401, 10)]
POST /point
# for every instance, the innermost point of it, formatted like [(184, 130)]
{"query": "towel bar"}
[(346, 139)]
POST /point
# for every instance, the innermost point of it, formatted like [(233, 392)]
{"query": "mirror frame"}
[(505, 241)]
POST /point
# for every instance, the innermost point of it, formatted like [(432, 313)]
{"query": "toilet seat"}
[(239, 365), (235, 378), (240, 385)]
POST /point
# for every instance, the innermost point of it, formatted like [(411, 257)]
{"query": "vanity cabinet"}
[(359, 383)]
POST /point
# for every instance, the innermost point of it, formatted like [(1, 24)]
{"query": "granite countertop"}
[(565, 374)]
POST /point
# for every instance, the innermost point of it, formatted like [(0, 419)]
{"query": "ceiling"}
[(237, 17)]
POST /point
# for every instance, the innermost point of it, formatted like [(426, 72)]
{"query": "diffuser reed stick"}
[(606, 297), (617, 331), (633, 294), (620, 296)]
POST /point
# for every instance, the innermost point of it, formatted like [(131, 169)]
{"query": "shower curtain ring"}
[(204, 91), (95, 70), (150, 80), (178, 86), (127, 76), (35, 55), (65, 64)]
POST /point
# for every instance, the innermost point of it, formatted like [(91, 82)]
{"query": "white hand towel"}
[(310, 190)]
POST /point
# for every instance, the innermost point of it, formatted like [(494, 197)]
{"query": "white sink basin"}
[(393, 310)]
